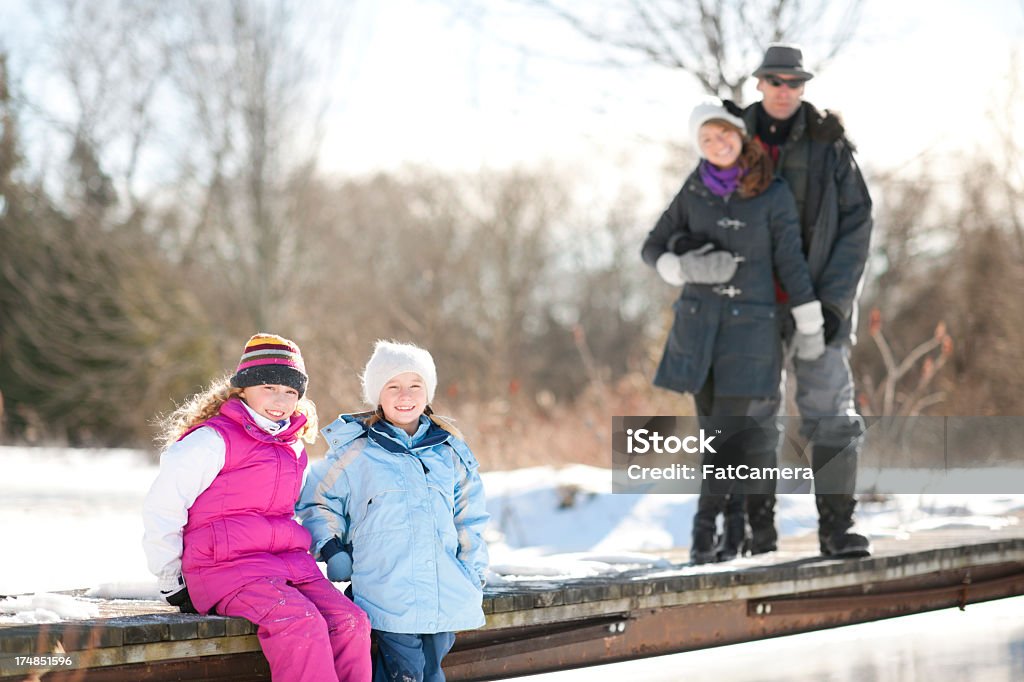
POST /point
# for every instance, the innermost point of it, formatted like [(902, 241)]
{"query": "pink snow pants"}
[(308, 631)]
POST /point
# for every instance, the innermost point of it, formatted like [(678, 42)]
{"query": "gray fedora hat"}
[(783, 60)]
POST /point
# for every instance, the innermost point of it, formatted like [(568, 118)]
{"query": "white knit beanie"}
[(390, 359), (708, 109)]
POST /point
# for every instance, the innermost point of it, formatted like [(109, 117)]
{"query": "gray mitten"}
[(706, 266), (670, 270), (810, 346)]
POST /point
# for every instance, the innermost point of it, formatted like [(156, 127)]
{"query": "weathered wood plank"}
[(167, 640)]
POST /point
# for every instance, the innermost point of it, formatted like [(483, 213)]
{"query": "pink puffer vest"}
[(241, 528)]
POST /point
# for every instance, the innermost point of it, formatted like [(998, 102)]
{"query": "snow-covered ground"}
[(71, 519)]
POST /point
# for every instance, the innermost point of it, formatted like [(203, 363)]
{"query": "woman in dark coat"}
[(728, 237)]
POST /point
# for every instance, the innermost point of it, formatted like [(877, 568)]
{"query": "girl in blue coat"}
[(397, 507), (729, 236)]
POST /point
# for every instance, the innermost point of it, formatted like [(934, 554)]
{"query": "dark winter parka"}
[(731, 329), (834, 207)]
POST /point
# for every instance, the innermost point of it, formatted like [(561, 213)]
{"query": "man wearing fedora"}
[(811, 152)]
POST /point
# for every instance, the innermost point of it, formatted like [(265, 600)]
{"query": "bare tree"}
[(90, 323), (515, 215), (245, 85), (598, 303), (459, 264), (109, 59), (1007, 119), (252, 75), (888, 397), (718, 42), (950, 242)]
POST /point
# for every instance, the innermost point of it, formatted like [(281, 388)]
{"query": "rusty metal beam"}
[(970, 588), (579, 624), (654, 632)]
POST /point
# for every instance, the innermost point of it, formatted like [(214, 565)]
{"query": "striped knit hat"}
[(271, 359)]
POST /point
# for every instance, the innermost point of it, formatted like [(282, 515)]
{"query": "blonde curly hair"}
[(206, 404)]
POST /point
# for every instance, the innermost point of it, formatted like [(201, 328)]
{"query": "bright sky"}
[(417, 85), (444, 84)]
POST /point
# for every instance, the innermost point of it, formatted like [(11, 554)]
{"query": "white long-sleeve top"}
[(187, 468)]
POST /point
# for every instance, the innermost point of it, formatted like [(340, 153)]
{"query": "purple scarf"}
[(721, 181)]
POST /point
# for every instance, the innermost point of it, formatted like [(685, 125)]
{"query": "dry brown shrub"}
[(524, 431)]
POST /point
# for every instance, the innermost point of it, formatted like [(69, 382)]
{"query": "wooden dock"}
[(541, 626)]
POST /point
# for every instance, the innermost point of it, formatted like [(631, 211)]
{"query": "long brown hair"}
[(756, 168)]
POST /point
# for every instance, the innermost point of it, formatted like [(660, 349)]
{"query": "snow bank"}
[(45, 608), (546, 523)]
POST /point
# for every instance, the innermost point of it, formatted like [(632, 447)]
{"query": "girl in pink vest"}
[(219, 528)]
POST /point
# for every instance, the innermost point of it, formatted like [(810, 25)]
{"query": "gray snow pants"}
[(824, 398), (829, 419)]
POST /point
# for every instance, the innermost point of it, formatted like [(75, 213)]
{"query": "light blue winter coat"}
[(410, 513)]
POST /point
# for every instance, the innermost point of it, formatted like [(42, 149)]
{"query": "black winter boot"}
[(705, 525), (835, 469), (736, 539), (761, 513), (835, 519), (835, 479)]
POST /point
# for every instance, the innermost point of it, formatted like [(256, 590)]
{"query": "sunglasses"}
[(777, 82)]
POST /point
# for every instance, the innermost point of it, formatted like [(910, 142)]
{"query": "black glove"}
[(732, 108), (182, 601), (833, 320)]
